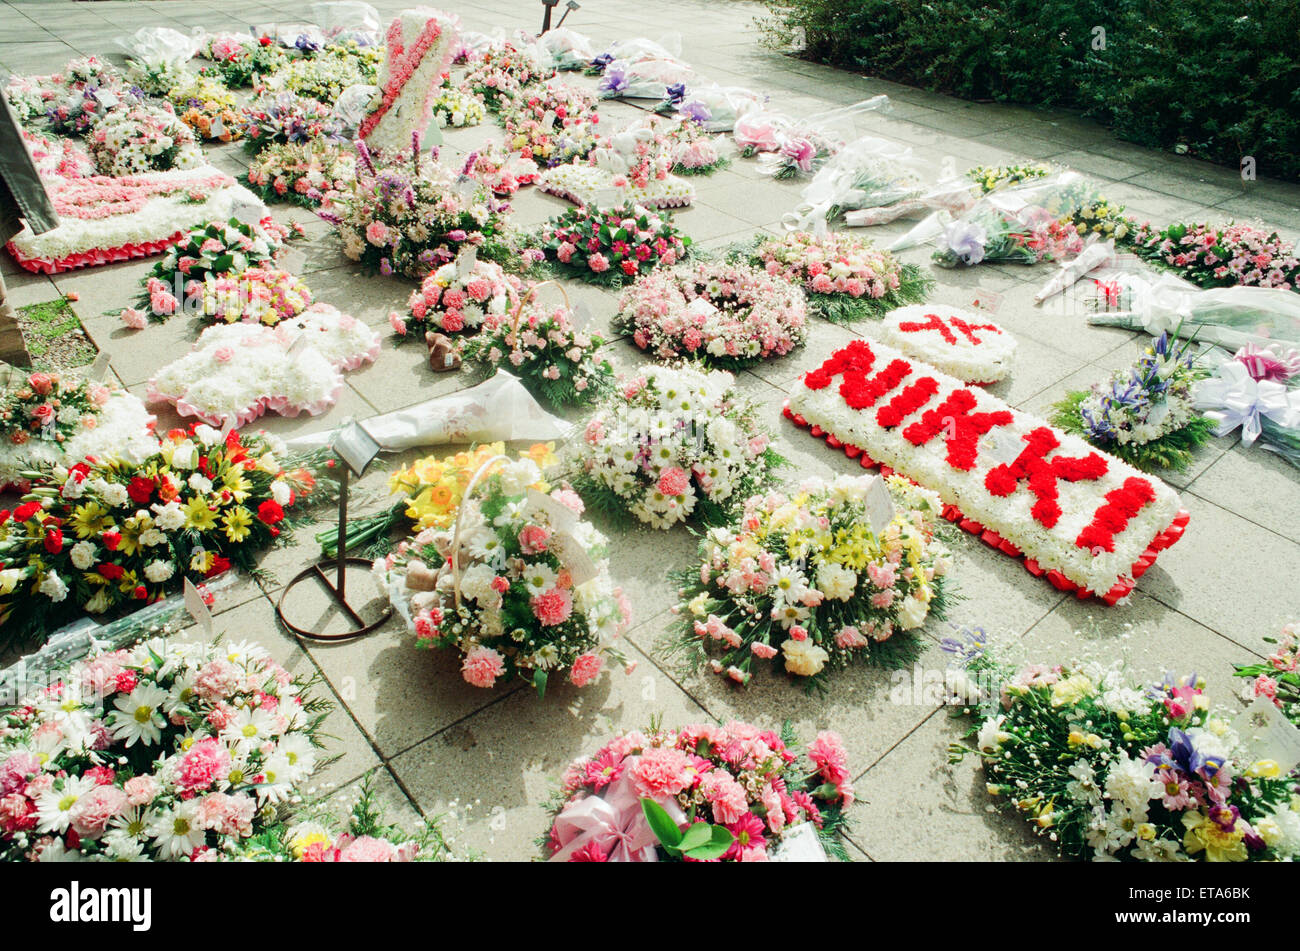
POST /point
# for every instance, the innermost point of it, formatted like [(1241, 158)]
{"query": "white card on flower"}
[(107, 99), (799, 843), (701, 308), (465, 262), (880, 505), (1267, 734), (607, 197), (250, 212), (561, 518), (198, 608), (548, 118), (99, 369), (218, 128), (574, 557), (1003, 447)]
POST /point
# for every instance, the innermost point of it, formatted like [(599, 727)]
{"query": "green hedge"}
[(1219, 79)]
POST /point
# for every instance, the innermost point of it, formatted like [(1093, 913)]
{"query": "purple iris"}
[(601, 61), (968, 644), (615, 80), (676, 93), (966, 240), (1185, 755), (306, 45)]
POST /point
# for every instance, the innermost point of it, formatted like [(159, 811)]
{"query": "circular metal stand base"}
[(321, 574)]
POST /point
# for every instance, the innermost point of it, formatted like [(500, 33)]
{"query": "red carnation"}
[(26, 511), (141, 490), (141, 592), (111, 539), (54, 541), (270, 512), (110, 571), (220, 563)]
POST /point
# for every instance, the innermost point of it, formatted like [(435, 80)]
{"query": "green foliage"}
[(1219, 79)]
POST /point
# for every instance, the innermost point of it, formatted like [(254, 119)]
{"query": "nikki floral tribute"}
[(1090, 522), (725, 315), (703, 793), (968, 346), (1140, 772), (672, 444), (165, 751), (518, 583), (816, 579)]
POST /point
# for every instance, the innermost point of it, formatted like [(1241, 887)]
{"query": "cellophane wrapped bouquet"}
[(702, 793), (518, 583), (1278, 678), (282, 117)]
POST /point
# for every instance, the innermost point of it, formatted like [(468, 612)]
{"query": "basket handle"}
[(455, 537), (528, 295)]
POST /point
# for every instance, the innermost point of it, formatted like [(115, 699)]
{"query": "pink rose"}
[(42, 383)]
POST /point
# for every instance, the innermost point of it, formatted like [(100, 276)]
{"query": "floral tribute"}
[(1225, 256), (256, 295), (207, 107), (242, 61), (304, 174), (132, 141), (609, 247), (988, 235), (52, 418), (502, 73), (812, 581), (703, 793), (456, 109), (457, 296), (551, 123), (409, 216), (549, 353), (518, 585), (105, 219), (502, 173), (106, 534), (633, 165), (1090, 522), (672, 444), (1139, 772), (1278, 678), (240, 371), (165, 751), (417, 53), (845, 277), (968, 346), (1143, 414), (725, 315), (279, 118), (324, 77)]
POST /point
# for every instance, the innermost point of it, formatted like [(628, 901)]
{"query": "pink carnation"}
[(368, 849), (133, 318), (661, 772), (482, 667), (553, 606), (586, 669), (674, 481), (725, 796), (93, 810)]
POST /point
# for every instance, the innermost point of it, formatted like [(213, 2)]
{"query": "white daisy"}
[(138, 717)]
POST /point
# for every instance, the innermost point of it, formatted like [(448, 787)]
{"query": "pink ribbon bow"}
[(614, 822)]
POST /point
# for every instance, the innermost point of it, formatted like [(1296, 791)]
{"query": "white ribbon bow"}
[(1234, 398)]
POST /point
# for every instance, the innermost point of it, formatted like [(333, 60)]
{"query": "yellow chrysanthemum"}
[(236, 523)]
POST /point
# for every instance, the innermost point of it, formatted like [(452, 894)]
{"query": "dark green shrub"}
[(1217, 78)]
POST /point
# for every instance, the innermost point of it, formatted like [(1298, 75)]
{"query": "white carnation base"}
[(589, 186), (985, 362)]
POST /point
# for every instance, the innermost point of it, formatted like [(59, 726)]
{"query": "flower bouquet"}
[(725, 315), (158, 77), (410, 216), (608, 247), (870, 181), (324, 77), (255, 295), (845, 277), (240, 371), (242, 61), (675, 443), (52, 419), (305, 173), (704, 793), (1278, 679), (455, 297), (454, 108), (106, 534), (1256, 390), (992, 177), (518, 585), (823, 577), (1225, 256), (715, 108), (216, 250), (552, 123), (313, 834), (276, 118), (988, 236), (499, 75), (555, 359), (1138, 772), (643, 79), (500, 172), (165, 751), (563, 49), (131, 141), (1143, 414), (207, 107)]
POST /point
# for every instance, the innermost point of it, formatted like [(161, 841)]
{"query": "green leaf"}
[(661, 824), (826, 791), (539, 681), (716, 847), (222, 262), (698, 834)]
